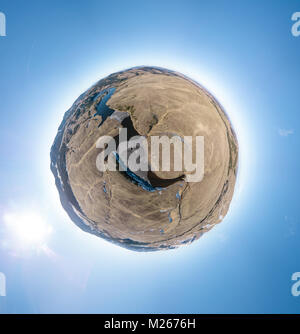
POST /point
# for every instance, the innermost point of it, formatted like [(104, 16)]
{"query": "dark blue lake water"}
[(102, 109)]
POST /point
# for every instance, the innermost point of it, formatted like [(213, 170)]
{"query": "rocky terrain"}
[(156, 210)]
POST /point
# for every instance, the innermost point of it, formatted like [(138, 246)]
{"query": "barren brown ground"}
[(107, 204)]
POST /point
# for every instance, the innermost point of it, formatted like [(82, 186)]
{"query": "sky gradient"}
[(244, 53)]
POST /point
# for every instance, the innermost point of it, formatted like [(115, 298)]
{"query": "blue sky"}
[(245, 54)]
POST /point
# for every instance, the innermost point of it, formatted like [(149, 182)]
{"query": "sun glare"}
[(27, 229)]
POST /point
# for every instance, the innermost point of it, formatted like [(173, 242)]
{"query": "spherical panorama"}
[(147, 159)]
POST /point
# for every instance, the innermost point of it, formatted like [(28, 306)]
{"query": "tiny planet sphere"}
[(145, 210)]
